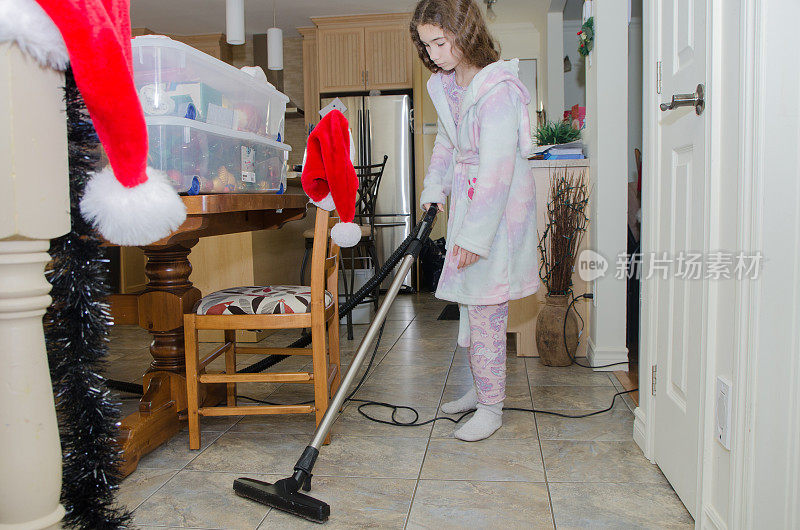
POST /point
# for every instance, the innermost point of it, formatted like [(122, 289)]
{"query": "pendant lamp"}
[(274, 45), (490, 14), (234, 21)]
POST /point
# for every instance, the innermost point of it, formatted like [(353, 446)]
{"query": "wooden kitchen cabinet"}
[(388, 54), (310, 76), (340, 63), (363, 52)]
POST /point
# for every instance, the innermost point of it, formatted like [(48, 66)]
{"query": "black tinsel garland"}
[(76, 333)]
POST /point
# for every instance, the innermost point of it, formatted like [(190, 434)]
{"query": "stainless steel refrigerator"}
[(381, 125)]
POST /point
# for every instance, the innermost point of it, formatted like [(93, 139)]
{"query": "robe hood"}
[(489, 77)]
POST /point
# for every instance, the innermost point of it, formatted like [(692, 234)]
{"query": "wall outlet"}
[(723, 404)]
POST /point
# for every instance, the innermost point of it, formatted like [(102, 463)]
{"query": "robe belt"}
[(471, 159)]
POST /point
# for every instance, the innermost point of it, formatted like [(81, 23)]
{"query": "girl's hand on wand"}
[(427, 206), (465, 257)]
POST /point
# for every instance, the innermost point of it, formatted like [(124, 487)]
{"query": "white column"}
[(606, 139), (555, 65), (34, 207)]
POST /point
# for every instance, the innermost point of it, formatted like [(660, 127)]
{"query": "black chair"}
[(369, 180)]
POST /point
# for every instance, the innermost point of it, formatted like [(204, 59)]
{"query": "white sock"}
[(466, 402), (486, 420)]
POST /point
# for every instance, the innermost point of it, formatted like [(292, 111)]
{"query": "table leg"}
[(168, 295)]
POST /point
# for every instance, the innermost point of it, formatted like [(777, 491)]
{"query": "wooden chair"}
[(270, 307)]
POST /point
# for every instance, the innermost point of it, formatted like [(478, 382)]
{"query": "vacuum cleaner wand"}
[(284, 494)]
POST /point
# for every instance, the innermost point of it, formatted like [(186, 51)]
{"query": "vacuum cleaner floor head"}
[(278, 496)]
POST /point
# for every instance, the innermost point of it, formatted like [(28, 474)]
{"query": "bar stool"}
[(369, 180)]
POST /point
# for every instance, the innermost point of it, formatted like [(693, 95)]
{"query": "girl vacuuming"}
[(479, 160)]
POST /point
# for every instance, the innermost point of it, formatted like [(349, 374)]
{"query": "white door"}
[(681, 187)]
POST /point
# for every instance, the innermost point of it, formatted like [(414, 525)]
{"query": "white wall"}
[(771, 482), (523, 41), (607, 145), (757, 483), (723, 151), (574, 80), (555, 66)]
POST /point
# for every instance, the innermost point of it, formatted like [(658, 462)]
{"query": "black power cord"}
[(261, 365), (566, 347), (366, 403), (415, 423)]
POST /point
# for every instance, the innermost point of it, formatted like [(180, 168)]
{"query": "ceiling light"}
[(490, 14), (234, 21), (274, 45)]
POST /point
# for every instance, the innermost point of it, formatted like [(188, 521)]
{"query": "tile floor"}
[(537, 471)]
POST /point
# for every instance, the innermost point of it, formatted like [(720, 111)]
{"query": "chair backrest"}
[(369, 181), (324, 258)]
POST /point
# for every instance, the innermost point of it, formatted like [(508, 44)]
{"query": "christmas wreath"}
[(586, 36)]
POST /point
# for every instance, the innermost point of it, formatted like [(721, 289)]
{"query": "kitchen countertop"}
[(559, 163)]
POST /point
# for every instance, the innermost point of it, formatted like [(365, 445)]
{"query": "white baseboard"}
[(639, 432), (599, 356)]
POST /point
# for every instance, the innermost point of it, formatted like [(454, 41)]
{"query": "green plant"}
[(556, 132)]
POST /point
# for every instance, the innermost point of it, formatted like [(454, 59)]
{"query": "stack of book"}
[(572, 150)]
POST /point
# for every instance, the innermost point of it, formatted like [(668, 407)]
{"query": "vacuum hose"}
[(425, 224), (344, 309)]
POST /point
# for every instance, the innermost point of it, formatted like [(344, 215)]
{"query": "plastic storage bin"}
[(174, 79), (203, 158)]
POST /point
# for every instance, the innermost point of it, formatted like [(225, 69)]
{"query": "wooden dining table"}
[(169, 294)]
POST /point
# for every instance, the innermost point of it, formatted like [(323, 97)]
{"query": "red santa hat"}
[(129, 203), (329, 178)]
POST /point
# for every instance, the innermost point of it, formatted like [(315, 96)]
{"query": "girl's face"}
[(439, 46)]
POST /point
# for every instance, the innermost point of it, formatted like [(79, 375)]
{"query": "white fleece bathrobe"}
[(482, 165)]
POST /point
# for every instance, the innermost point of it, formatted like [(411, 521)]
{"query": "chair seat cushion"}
[(260, 300)]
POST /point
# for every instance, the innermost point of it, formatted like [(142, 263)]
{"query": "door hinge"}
[(653, 381), (658, 77)]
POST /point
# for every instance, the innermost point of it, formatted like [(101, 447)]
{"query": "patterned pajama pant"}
[(487, 351)]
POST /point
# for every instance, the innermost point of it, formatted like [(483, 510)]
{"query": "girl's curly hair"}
[(463, 21)]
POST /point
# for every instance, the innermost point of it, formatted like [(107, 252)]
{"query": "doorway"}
[(629, 378)]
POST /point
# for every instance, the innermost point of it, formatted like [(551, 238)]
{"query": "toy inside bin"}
[(201, 158), (211, 127)]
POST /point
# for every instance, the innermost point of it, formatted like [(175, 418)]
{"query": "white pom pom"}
[(346, 234), (326, 203), (132, 216), (25, 22)]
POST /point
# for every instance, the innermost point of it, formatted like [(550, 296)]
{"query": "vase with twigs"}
[(565, 226)]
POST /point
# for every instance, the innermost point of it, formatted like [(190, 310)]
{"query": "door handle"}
[(688, 100)]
